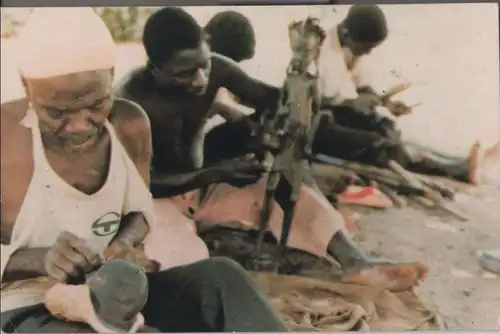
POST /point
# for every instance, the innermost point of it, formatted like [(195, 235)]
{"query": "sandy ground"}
[(450, 53), (462, 292)]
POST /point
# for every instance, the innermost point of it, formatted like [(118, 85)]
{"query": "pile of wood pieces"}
[(398, 184)]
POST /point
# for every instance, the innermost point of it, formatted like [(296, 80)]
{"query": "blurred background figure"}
[(231, 34)]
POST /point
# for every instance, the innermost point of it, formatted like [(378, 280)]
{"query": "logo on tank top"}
[(107, 224)]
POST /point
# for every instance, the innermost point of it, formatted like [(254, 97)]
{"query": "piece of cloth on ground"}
[(310, 304), (310, 297), (172, 240), (314, 224)]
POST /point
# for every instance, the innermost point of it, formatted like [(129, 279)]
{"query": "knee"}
[(221, 265), (223, 271)]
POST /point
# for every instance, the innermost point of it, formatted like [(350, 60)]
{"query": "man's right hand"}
[(70, 258), (240, 171)]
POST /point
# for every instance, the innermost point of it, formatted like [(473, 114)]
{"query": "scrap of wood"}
[(424, 201), (430, 194), (415, 105), (389, 177), (399, 88), (398, 200), (367, 173), (441, 188), (453, 185), (428, 191)]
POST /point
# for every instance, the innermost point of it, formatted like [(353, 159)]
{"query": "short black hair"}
[(231, 35), (169, 30), (366, 23)]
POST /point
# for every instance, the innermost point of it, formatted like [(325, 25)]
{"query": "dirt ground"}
[(461, 291)]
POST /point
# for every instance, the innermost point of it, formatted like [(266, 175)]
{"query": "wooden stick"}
[(424, 201), (332, 168), (429, 193), (399, 201), (384, 176), (399, 88), (415, 105)]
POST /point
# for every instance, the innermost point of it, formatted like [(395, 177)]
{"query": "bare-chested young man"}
[(74, 173), (177, 89)]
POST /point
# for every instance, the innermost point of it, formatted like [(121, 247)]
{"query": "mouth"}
[(81, 143)]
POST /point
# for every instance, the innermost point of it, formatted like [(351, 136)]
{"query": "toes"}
[(395, 277)]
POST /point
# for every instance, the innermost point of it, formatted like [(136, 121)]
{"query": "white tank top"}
[(52, 206)]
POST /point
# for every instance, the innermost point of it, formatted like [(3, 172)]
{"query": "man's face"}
[(72, 108), (188, 70)]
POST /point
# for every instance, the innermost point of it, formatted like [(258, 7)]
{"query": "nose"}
[(200, 80), (78, 123)]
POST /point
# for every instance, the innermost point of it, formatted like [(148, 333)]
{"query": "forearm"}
[(26, 263), (232, 113), (259, 95), (176, 184), (251, 92), (133, 229)]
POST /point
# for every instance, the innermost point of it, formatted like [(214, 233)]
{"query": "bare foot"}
[(393, 277), (474, 158), (479, 160)]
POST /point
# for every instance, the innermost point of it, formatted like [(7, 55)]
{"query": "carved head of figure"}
[(306, 38)]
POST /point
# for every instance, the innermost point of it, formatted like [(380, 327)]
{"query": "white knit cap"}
[(58, 41)]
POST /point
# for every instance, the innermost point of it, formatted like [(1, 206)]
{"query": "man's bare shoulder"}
[(14, 136), (221, 64), (16, 159), (128, 117), (12, 114), (132, 125)]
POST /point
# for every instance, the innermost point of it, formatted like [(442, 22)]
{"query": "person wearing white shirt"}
[(363, 120)]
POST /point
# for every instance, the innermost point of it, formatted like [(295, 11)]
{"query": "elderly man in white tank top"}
[(74, 175)]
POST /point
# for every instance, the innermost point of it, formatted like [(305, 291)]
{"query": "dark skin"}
[(72, 110), (178, 97)]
